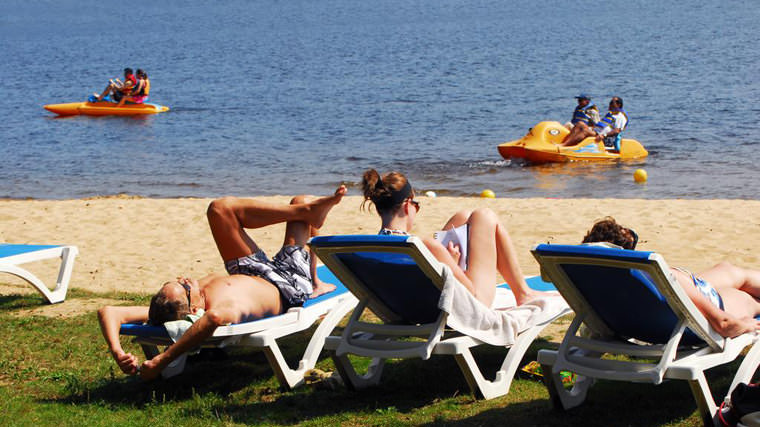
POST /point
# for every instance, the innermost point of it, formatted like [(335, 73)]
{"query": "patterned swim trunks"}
[(289, 270)]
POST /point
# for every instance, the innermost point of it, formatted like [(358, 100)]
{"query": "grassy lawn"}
[(57, 371)]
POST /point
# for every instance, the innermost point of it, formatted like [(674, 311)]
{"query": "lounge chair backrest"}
[(629, 294), (398, 287)]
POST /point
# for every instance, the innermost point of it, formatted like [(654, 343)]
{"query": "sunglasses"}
[(416, 204), (187, 292), (635, 238)]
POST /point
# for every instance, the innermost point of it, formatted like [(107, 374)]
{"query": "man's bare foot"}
[(531, 294), (319, 208), (321, 288)]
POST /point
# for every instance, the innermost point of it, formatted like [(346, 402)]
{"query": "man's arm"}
[(195, 335), (111, 318)]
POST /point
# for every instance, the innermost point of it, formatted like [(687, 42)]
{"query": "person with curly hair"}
[(728, 296)]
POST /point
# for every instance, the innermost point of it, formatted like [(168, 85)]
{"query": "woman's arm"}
[(724, 323), (111, 318), (443, 255)]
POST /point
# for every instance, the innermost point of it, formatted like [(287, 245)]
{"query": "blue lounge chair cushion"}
[(624, 298), (7, 249), (403, 288)]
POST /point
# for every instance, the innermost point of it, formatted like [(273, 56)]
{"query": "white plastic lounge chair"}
[(11, 256), (634, 307), (263, 334), (398, 279)]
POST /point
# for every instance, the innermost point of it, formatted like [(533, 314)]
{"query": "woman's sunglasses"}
[(416, 204)]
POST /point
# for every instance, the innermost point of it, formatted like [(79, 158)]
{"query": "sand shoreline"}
[(132, 244)]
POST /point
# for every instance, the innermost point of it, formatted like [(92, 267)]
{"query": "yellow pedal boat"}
[(542, 145), (104, 108)]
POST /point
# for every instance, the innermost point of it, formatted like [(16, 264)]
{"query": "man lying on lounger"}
[(255, 288)]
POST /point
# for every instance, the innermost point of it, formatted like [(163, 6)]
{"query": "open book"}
[(459, 236)]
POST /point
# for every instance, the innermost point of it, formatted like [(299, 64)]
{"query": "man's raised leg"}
[(297, 233), (230, 216)]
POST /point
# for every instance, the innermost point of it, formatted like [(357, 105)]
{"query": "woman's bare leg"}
[(738, 287), (297, 233), (482, 254), (457, 220), (506, 258), (727, 275)]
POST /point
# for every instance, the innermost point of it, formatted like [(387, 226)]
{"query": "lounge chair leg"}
[(150, 351), (58, 294), (503, 378), (561, 397), (291, 378), (288, 378), (352, 379), (703, 396), (748, 368), (477, 382)]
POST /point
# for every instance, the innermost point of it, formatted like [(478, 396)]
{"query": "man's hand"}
[(150, 370), (127, 362)]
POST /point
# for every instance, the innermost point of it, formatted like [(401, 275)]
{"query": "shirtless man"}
[(256, 287)]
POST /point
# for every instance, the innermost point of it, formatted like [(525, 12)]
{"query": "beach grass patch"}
[(58, 371)]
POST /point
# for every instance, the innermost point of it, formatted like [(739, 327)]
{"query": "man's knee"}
[(220, 208), (297, 200)]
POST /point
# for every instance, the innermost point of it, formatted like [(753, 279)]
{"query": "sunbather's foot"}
[(319, 208), (321, 288), (530, 295)]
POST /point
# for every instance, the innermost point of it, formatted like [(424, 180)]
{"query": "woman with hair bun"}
[(490, 248)]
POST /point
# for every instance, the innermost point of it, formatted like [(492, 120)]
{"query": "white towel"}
[(176, 329), (499, 325)]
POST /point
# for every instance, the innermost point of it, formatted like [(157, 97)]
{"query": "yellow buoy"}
[(640, 175), (487, 194)]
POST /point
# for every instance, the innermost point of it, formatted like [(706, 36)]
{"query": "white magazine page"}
[(458, 236)]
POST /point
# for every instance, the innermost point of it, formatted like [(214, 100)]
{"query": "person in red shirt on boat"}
[(140, 92), (119, 89)]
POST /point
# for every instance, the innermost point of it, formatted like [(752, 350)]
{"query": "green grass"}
[(58, 372)]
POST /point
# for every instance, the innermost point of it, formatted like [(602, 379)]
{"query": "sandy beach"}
[(134, 244)]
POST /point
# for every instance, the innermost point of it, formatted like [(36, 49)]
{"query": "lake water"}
[(297, 96)]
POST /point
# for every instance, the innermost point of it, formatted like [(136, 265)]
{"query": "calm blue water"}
[(297, 96)]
